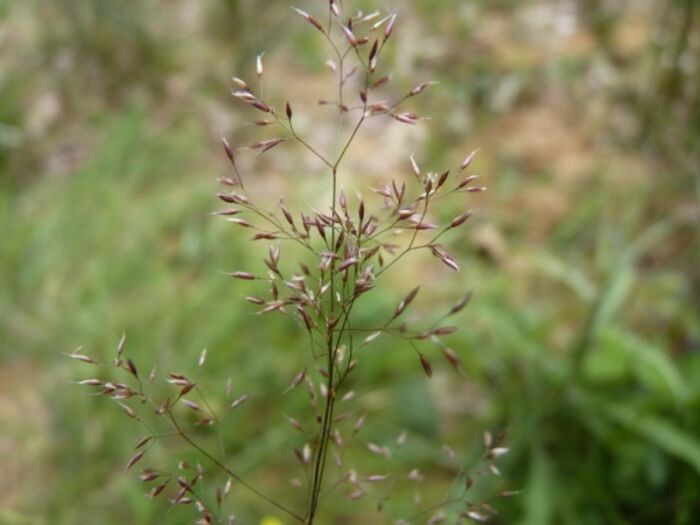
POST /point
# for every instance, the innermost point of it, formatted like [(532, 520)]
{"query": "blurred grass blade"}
[(662, 433), (539, 492)]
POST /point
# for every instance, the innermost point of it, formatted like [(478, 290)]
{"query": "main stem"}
[(326, 425), (333, 342)]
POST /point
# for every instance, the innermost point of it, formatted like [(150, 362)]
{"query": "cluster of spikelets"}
[(346, 248)]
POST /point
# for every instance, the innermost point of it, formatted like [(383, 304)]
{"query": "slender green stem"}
[(330, 394)]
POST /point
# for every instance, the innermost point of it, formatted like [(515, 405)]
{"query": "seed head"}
[(350, 36), (259, 65), (459, 220), (243, 275), (414, 166), (310, 19), (240, 83), (135, 459), (229, 150), (373, 50), (420, 88), (389, 27), (238, 402), (427, 368), (468, 160), (459, 305)]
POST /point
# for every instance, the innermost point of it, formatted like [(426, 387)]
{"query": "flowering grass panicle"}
[(347, 246)]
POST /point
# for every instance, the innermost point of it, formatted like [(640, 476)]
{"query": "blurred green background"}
[(582, 342)]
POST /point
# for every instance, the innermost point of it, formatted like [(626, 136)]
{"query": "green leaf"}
[(539, 492), (666, 435), (566, 273), (650, 364)]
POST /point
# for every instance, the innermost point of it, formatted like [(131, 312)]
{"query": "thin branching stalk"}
[(345, 252)]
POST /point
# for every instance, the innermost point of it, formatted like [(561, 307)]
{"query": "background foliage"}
[(583, 340)]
